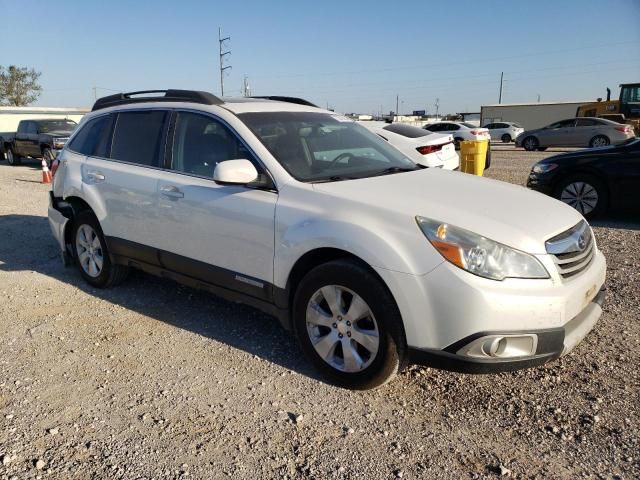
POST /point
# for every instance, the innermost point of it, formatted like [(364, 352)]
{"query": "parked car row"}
[(370, 260)]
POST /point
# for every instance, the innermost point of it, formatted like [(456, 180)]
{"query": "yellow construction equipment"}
[(624, 110)]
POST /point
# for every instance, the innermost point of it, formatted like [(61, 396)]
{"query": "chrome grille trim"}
[(572, 250)]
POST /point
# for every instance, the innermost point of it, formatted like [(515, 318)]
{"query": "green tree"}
[(19, 86)]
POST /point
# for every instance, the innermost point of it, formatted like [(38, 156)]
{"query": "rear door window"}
[(586, 122), (94, 137), (137, 137)]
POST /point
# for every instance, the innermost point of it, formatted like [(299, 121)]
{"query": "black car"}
[(592, 180)]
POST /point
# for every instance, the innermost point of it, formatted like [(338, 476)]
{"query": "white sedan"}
[(421, 146), (460, 131)]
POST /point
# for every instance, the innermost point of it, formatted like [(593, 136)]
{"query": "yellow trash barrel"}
[(473, 156)]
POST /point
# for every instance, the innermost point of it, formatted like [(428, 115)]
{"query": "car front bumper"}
[(453, 318)]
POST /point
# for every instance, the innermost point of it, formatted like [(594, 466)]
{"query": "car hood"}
[(503, 212)]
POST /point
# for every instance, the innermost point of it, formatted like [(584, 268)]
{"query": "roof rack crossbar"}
[(279, 98), (170, 95)]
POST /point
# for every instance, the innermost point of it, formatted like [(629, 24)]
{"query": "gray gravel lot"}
[(154, 380)]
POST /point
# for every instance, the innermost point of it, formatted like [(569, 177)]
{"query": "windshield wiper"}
[(333, 178), (389, 170)]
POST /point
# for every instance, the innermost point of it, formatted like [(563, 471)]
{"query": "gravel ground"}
[(154, 380)]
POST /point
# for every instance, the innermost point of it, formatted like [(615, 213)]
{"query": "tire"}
[(530, 144), (12, 158), (48, 156), (456, 142), (88, 243), (335, 332), (599, 141), (506, 138), (585, 193)]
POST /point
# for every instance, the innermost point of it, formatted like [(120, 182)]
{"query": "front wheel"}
[(348, 325), (506, 138), (12, 158), (584, 193), (91, 254), (530, 144)]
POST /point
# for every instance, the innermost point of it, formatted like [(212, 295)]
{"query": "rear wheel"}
[(599, 141), (348, 325), (530, 144), (506, 138), (584, 193), (91, 254), (12, 158)]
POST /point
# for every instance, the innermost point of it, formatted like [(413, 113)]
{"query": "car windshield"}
[(407, 130), (517, 125), (315, 147), (469, 125), (46, 126)]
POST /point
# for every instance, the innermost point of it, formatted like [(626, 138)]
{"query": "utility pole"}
[(538, 98), (222, 55), (500, 96), (95, 94), (246, 89), (397, 97), (437, 105)]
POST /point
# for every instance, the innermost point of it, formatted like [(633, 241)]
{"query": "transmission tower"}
[(223, 67)]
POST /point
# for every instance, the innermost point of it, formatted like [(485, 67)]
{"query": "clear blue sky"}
[(352, 55)]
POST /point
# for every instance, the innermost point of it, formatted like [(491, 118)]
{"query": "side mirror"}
[(235, 172)]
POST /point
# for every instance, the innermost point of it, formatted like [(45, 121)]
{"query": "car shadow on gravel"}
[(629, 220), (26, 244)]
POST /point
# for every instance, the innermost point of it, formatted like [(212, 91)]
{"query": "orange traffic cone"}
[(46, 174)]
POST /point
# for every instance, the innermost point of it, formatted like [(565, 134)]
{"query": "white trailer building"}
[(11, 116), (529, 115)]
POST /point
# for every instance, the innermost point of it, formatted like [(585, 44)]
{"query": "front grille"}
[(572, 250)]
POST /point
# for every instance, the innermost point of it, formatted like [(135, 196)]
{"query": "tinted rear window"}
[(136, 138), (93, 138), (407, 130)]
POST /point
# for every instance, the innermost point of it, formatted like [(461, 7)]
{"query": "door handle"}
[(96, 176), (171, 191)]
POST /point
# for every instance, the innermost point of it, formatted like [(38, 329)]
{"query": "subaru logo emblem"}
[(582, 242)]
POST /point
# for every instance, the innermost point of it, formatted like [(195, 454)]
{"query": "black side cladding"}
[(171, 95)]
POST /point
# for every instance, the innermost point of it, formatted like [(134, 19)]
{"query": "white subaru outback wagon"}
[(370, 260)]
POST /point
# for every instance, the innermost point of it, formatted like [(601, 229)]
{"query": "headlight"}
[(479, 255), (544, 167)]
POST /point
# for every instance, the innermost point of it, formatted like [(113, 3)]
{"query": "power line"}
[(430, 66), (222, 58)]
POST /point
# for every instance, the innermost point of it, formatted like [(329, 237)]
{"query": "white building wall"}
[(11, 116), (531, 115)]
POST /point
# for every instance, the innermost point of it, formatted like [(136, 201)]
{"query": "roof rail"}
[(278, 98), (169, 96)]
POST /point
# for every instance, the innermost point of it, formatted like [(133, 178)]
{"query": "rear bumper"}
[(550, 344), (57, 222)]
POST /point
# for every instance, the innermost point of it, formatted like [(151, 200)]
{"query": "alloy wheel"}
[(581, 196), (342, 328), (599, 142), (89, 250)]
